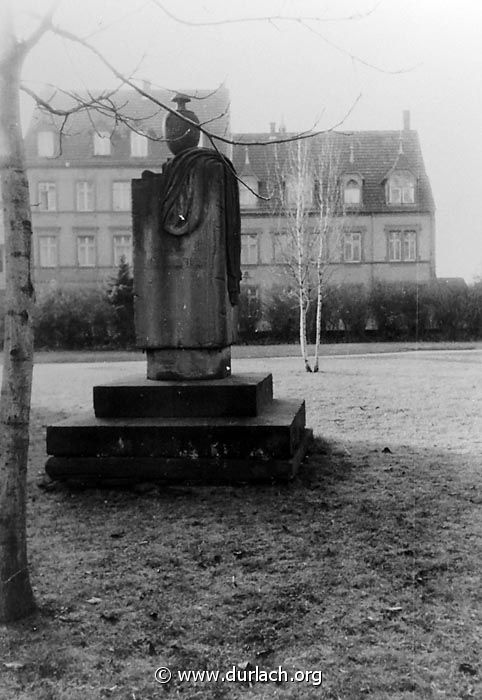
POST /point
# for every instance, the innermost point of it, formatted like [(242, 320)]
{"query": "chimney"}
[(272, 130), (406, 120)]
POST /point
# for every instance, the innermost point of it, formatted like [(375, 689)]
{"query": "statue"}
[(170, 426), (187, 241)]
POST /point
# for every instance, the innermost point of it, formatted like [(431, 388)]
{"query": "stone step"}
[(122, 471), (275, 434), (238, 395)]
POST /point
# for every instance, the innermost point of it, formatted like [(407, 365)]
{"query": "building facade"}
[(382, 220), (378, 201), (80, 181)]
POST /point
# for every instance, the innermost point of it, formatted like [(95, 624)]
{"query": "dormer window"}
[(247, 197), (102, 143), (401, 188), (46, 144), (352, 194), (352, 189)]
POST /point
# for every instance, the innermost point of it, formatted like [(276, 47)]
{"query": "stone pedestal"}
[(212, 431), (189, 363)]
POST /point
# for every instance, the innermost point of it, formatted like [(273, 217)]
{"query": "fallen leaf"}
[(94, 601), (14, 665)]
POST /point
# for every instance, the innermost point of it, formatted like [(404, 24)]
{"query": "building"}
[(382, 221), (80, 179), (382, 218)]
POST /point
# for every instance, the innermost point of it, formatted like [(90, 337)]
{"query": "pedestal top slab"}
[(136, 396)]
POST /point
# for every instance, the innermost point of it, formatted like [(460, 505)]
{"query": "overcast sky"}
[(303, 74)]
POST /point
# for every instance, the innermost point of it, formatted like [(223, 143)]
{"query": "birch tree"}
[(328, 215), (16, 598), (307, 182)]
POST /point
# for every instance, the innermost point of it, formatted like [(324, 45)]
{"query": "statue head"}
[(179, 134)]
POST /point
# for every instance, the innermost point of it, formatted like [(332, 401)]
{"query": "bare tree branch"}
[(44, 26), (354, 58), (128, 81), (192, 96), (80, 105), (271, 18), (117, 20), (302, 21)]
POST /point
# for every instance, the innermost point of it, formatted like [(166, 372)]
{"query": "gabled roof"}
[(372, 154), (211, 107)]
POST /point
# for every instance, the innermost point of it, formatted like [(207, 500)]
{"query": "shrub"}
[(282, 314), (401, 311), (451, 310), (474, 310), (120, 295), (249, 314), (2, 319), (72, 319), (351, 302)]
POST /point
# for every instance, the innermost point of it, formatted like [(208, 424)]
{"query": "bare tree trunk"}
[(16, 597), (319, 300), (302, 308)]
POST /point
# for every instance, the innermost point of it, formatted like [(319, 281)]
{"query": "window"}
[(121, 195), (409, 250), (85, 196), (86, 251), (138, 145), (401, 188), (402, 245), (47, 246), (47, 196), (280, 245), (249, 249), (395, 246), (247, 198), (46, 144), (352, 192), (122, 248), (102, 143), (352, 246)]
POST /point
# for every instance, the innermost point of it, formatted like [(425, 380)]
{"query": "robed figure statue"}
[(187, 241)]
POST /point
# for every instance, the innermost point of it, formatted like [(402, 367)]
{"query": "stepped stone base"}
[(245, 395), (159, 431)]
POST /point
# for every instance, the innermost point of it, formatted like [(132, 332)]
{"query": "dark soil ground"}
[(366, 567)]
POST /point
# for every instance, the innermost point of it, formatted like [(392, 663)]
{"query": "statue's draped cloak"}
[(187, 252)]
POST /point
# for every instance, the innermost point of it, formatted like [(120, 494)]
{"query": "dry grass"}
[(366, 567)]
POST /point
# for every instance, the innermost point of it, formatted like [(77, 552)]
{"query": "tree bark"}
[(16, 597), (319, 301)]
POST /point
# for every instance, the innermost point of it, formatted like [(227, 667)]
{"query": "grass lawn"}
[(253, 351), (366, 567)]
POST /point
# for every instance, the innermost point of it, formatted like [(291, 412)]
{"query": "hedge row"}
[(388, 312), (74, 319)]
